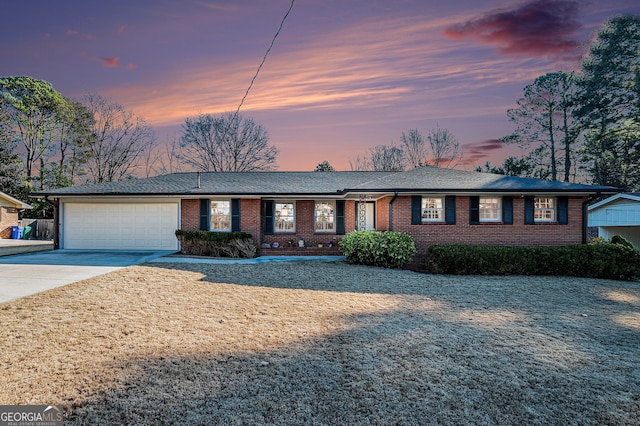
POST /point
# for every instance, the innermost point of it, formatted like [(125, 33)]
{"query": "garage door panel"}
[(113, 226)]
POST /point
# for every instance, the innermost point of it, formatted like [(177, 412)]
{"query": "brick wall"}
[(251, 218), (8, 218), (190, 216), (462, 232), (425, 235), (305, 228)]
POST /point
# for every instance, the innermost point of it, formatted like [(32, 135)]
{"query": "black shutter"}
[(205, 214), (529, 206), (507, 210), (416, 210), (563, 210), (268, 217), (235, 215), (340, 217), (474, 210), (450, 209)]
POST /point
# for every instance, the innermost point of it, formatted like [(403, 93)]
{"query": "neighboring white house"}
[(618, 215)]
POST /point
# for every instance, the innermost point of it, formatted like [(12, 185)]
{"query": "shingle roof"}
[(425, 179)]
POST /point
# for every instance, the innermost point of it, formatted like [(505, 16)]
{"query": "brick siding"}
[(425, 235), (8, 218), (190, 215)]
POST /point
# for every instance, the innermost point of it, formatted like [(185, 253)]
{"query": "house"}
[(431, 204), (617, 215), (9, 208)]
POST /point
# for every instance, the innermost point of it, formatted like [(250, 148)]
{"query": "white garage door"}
[(135, 226)]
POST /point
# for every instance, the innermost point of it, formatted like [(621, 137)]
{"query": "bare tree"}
[(119, 138), (226, 143), (360, 164), (446, 151), (386, 158), (415, 152), (168, 158)]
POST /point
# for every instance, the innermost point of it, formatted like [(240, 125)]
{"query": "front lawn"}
[(325, 343)]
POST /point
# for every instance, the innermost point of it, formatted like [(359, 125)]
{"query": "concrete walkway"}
[(25, 274), (261, 259)]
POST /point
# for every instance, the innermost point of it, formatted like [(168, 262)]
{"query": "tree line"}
[(49, 141), (584, 125)]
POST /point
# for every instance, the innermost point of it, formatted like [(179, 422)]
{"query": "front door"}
[(366, 218)]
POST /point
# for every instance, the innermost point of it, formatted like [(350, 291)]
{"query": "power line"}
[(264, 58)]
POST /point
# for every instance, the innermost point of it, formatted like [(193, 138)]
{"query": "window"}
[(432, 209), (544, 209), (325, 217), (490, 210), (220, 215), (285, 217)]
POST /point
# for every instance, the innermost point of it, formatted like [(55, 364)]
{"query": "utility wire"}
[(264, 58)]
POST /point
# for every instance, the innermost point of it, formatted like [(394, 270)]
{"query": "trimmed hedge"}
[(610, 261), (374, 248), (216, 244)]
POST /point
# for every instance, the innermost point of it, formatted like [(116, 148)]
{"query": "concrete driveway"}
[(30, 273)]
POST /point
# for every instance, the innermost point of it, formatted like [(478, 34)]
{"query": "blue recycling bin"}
[(15, 232)]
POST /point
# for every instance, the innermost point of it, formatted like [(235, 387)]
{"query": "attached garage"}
[(119, 225)]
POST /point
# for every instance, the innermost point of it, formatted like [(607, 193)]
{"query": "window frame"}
[(440, 209), (292, 217), (212, 216), (498, 210), (333, 217), (553, 209)]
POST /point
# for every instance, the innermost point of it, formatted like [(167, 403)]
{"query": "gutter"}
[(395, 195)]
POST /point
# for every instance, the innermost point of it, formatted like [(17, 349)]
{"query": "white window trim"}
[(315, 217), (275, 218), (211, 228), (441, 209), (498, 219), (552, 209)]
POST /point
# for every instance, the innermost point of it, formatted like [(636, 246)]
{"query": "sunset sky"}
[(343, 75)]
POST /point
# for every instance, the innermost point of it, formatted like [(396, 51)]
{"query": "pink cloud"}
[(132, 66), (72, 32), (537, 28), (110, 62), (478, 151)]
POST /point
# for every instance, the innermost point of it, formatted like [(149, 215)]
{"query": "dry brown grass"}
[(325, 343)]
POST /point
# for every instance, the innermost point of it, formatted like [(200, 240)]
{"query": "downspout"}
[(585, 216), (395, 195), (56, 221)]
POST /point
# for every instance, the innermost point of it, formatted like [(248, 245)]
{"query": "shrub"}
[(216, 244), (611, 261), (619, 239), (375, 248)]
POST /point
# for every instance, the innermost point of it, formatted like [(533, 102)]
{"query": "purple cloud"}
[(537, 28), (477, 151)]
